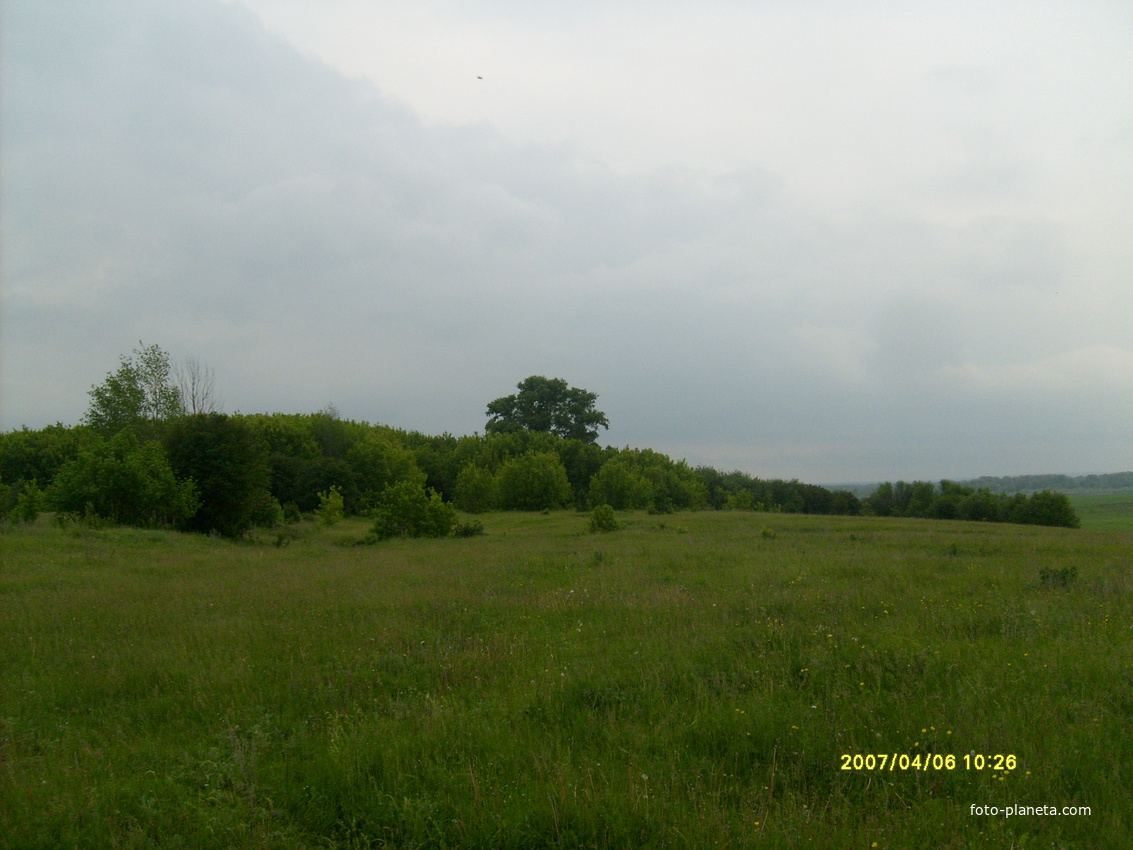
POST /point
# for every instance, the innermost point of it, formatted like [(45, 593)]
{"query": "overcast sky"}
[(834, 241)]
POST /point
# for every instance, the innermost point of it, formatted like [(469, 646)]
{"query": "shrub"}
[(406, 509), (1047, 508), (602, 518), (291, 513), (267, 513), (123, 481), (330, 507), (468, 529), (29, 502)]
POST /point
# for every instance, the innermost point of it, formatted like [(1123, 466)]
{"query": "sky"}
[(833, 241)]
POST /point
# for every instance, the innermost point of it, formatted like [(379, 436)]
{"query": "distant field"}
[(693, 680), (1105, 513)]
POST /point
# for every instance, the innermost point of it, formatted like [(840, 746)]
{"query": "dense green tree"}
[(289, 434), (620, 486), (582, 461), (1048, 508), (880, 502), (142, 392), (438, 458), (377, 461), (331, 509), (124, 480), (26, 455), (534, 481), (299, 480), (229, 466), (981, 506), (955, 501), (406, 509), (548, 405), (476, 489), (674, 485)]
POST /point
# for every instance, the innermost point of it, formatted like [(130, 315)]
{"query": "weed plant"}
[(540, 686)]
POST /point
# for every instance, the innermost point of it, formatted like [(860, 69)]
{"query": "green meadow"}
[(692, 680), (1110, 512)]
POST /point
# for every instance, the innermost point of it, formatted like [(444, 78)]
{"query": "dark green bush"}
[(406, 509), (468, 529), (602, 518), (476, 489), (229, 467), (126, 481), (534, 481)]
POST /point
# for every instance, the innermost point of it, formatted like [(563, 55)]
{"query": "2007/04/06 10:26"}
[(927, 761)]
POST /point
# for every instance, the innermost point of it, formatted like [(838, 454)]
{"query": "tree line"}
[(153, 450), (1111, 482)]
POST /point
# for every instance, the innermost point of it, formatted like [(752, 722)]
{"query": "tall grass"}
[(686, 681)]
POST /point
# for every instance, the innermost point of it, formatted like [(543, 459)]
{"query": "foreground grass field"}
[(696, 680)]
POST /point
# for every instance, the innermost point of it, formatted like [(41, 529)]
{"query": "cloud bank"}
[(177, 173)]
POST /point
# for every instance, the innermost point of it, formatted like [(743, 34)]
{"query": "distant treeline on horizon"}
[(211, 472), (1112, 482)]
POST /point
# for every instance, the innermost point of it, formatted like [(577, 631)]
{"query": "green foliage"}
[(437, 457), (742, 500), (475, 528), (29, 502), (740, 491), (1047, 508), (26, 455), (267, 512), (534, 482), (1078, 485), (330, 507), (643, 478), (582, 461), (125, 481), (619, 486), (229, 466), (955, 501), (8, 496), (406, 509), (141, 392), (289, 434), (476, 489), (603, 518), (376, 462), (547, 405)]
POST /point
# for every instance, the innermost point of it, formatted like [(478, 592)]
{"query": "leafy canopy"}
[(124, 480), (229, 467), (141, 391), (547, 405)]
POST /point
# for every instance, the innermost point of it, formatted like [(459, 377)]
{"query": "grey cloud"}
[(184, 178)]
